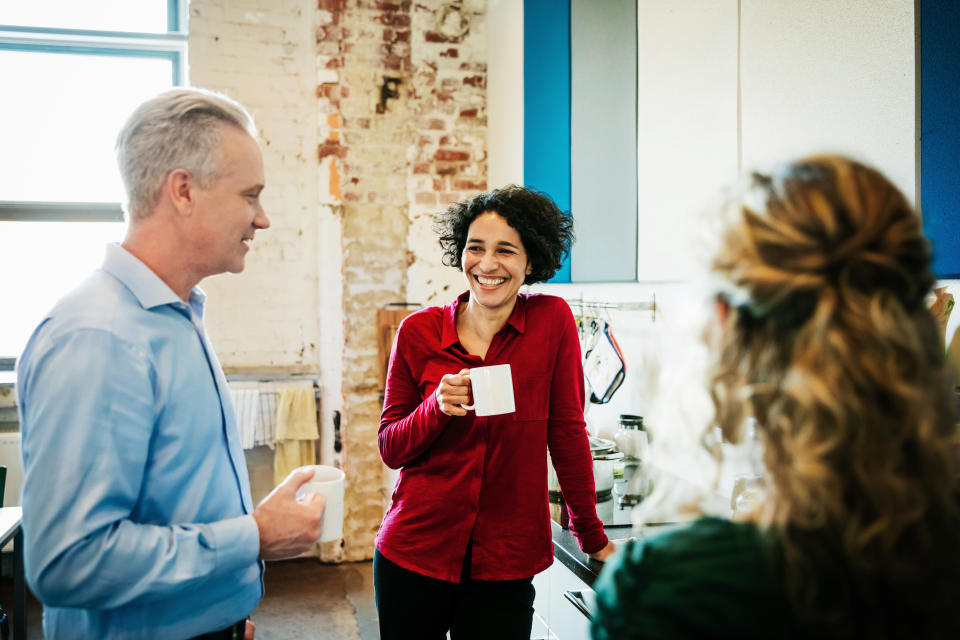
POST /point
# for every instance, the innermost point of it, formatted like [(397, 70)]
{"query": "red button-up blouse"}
[(483, 480)]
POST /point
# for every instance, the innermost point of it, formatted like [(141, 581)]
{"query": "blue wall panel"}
[(940, 131), (546, 103)]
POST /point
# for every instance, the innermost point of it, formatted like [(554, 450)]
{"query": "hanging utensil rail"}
[(587, 305)]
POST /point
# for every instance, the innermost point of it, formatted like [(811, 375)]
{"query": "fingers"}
[(249, 630), (296, 479), (453, 391)]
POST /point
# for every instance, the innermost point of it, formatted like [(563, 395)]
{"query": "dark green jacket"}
[(710, 579)]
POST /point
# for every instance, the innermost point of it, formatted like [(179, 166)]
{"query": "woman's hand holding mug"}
[(453, 391)]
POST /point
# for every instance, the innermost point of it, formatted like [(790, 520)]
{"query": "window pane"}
[(148, 16), (41, 261), (58, 136)]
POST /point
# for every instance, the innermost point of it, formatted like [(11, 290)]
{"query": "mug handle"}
[(468, 407)]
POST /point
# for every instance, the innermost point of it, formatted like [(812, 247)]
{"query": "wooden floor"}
[(304, 599)]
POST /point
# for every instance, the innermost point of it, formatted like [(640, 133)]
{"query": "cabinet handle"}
[(577, 600)]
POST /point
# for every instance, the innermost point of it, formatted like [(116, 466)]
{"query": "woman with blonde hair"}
[(826, 345)]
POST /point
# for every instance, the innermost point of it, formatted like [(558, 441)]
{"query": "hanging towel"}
[(291, 454), (246, 403), (296, 431), (297, 415)]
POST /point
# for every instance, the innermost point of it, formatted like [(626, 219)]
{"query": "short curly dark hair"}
[(545, 231)]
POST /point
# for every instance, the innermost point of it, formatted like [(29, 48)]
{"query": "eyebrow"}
[(502, 243)]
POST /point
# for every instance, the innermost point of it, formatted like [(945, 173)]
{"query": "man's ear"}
[(180, 189)]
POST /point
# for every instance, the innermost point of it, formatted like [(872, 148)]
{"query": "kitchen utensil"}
[(604, 367)]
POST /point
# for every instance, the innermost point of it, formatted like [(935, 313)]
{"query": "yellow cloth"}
[(296, 431), (297, 415), (291, 454)]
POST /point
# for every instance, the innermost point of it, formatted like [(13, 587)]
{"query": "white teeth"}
[(490, 281)]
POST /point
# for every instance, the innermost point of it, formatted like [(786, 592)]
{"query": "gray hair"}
[(177, 129)]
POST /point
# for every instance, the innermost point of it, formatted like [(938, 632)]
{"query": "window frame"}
[(171, 46)]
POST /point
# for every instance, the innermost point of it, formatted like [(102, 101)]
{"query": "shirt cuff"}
[(593, 542), (237, 542)]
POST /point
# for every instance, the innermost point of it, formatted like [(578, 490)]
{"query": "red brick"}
[(330, 48), (388, 35), (402, 36), (438, 184), (437, 124), (470, 185), (421, 167), (350, 196), (426, 197), (468, 113), (445, 141), (433, 36), (331, 5), (331, 33), (450, 53), (446, 170), (475, 81), (449, 198), (337, 150), (393, 19), (335, 63), (449, 155), (394, 64)]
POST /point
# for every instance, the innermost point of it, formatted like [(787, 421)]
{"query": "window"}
[(71, 72)]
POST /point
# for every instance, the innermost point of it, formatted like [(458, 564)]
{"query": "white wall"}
[(725, 86)]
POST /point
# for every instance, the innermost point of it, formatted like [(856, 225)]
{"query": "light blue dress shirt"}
[(136, 500)]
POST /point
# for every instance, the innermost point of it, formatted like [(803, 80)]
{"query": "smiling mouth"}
[(490, 282)]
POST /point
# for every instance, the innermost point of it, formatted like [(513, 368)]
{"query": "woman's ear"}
[(722, 308)]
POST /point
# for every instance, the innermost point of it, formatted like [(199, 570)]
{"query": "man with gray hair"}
[(137, 515)]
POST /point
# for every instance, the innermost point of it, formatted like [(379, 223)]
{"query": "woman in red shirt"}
[(468, 523)]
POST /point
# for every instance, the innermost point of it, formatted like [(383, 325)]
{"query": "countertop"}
[(567, 551)]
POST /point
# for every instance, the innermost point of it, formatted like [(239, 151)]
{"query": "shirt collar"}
[(448, 336), (145, 285)]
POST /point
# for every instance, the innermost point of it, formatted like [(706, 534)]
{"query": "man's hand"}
[(289, 527), (249, 630), (604, 553), (453, 391)]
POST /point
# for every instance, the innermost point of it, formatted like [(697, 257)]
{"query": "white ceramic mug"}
[(328, 482), (492, 389)]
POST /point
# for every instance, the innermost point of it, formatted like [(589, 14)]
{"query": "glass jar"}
[(631, 437)]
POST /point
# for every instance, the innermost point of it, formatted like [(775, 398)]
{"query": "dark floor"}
[(304, 599)]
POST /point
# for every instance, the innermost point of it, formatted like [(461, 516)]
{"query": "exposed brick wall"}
[(352, 182), (405, 96)]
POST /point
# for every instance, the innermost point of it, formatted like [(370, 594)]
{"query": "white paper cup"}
[(328, 482)]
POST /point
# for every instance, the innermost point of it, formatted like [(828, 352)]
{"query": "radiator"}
[(10, 457), (255, 404)]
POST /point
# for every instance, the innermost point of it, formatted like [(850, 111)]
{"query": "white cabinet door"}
[(566, 621)]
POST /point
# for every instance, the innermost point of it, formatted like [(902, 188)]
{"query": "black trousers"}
[(233, 632), (412, 606)]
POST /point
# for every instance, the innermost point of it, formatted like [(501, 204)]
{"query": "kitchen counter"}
[(567, 551)]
